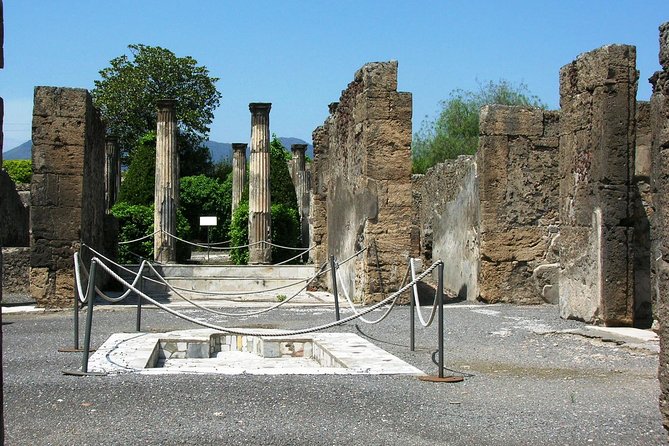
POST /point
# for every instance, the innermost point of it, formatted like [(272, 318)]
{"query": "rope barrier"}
[(139, 239), (417, 300), (252, 333), (355, 311)]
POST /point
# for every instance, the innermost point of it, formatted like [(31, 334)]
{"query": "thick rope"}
[(355, 311), (139, 239), (252, 333), (414, 290)]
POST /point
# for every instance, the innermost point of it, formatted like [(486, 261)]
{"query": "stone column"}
[(112, 172), (260, 218), (301, 183), (167, 183), (238, 173)]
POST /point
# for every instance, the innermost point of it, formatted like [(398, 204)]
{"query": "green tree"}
[(20, 171), (138, 186), (455, 131), (129, 88), (201, 195), (282, 190)]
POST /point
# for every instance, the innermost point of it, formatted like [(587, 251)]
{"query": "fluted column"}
[(238, 173), (112, 172), (301, 182), (260, 219), (167, 183)]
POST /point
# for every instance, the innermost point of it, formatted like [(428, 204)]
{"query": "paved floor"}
[(531, 378)]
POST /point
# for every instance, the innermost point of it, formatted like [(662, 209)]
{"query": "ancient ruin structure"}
[(67, 189), (260, 218), (167, 183), (446, 200), (362, 186), (598, 100), (518, 175), (300, 176), (238, 173), (659, 120)]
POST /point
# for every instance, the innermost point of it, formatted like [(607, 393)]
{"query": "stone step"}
[(227, 278)]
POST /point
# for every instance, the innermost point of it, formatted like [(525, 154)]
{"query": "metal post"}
[(138, 325), (333, 271), (440, 296), (412, 314), (76, 320), (90, 296)]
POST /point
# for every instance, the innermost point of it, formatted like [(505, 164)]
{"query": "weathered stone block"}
[(509, 121)]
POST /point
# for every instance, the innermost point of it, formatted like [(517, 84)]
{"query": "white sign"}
[(208, 221)]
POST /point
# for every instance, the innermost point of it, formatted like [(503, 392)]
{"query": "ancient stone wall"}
[(659, 122), (447, 203), (15, 272), (368, 182), (597, 96), (67, 190), (518, 177)]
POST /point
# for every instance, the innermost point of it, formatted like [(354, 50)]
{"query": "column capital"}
[(297, 148), (239, 146), (260, 107), (166, 103)]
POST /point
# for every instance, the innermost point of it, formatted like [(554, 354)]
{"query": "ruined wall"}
[(597, 96), (659, 119), (518, 177), (15, 272), (447, 203), (67, 190), (368, 182)]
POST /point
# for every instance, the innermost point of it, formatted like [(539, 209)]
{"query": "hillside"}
[(219, 150)]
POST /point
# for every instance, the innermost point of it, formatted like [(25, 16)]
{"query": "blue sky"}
[(300, 55)]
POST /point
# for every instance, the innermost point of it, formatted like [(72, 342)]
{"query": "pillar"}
[(301, 182), (260, 219), (238, 173), (167, 183), (112, 172)]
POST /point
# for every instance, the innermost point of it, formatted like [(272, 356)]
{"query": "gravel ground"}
[(526, 384)]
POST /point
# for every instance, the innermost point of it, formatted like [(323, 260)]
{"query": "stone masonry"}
[(447, 204), (67, 190), (364, 183), (518, 174), (659, 121), (597, 97)]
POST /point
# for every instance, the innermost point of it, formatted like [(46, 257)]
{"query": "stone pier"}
[(659, 122), (67, 190), (598, 100), (518, 175), (238, 173), (167, 183), (260, 218), (301, 183)]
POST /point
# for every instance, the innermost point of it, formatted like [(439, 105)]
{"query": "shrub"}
[(201, 195), (138, 186), (239, 234), (20, 171)]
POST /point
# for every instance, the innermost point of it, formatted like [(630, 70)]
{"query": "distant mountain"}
[(21, 152), (219, 150)]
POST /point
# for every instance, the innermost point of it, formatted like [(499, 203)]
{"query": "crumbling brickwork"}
[(447, 204), (597, 96), (366, 178), (67, 190), (15, 272), (659, 121), (518, 174)]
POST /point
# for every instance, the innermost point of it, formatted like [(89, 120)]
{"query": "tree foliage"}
[(20, 171), (138, 186), (282, 190), (455, 131), (204, 196), (129, 88)]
